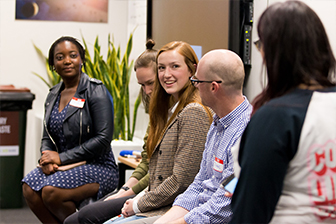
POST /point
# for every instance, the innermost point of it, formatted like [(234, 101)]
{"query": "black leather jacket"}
[(88, 130)]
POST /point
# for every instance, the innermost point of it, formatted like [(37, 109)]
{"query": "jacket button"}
[(160, 178), (160, 152)]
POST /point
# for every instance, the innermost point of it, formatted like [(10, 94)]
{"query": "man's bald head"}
[(224, 65)]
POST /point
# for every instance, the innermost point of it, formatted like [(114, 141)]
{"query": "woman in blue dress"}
[(78, 126)]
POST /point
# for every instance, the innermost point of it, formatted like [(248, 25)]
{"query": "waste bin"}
[(14, 103)]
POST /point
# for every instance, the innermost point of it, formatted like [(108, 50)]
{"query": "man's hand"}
[(228, 194), (180, 221), (127, 210), (174, 215)]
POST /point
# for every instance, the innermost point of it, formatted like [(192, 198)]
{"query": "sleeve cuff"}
[(62, 157), (135, 206)]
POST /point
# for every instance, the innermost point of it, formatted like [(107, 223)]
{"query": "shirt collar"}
[(172, 110), (226, 121)]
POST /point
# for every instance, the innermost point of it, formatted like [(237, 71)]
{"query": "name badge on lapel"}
[(218, 165), (76, 102)]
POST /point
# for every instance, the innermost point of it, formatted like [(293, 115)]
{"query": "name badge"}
[(76, 102), (218, 165)]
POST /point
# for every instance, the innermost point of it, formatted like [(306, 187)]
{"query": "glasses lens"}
[(258, 44), (193, 80)]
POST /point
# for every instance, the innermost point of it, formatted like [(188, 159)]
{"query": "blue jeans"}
[(122, 219)]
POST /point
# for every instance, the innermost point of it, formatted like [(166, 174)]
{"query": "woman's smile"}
[(173, 72)]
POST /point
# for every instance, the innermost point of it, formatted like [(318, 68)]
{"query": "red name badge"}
[(76, 102), (218, 165)]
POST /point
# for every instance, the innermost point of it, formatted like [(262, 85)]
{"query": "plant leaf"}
[(135, 112), (42, 79), (96, 51), (129, 46), (53, 77), (87, 53)]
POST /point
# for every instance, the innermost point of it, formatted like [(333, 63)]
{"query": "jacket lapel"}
[(169, 126), (54, 91)]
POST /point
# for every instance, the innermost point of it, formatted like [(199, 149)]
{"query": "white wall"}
[(18, 58), (325, 9)]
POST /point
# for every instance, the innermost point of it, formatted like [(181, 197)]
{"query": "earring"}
[(54, 68)]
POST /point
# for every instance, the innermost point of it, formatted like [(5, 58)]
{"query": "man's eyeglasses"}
[(195, 81), (258, 44)]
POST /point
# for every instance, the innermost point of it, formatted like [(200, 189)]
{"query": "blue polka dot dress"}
[(101, 170)]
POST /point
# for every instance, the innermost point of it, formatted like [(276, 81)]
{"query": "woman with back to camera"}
[(179, 125), (78, 126), (106, 208), (287, 153)]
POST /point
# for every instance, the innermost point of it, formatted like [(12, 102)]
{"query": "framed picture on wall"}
[(62, 10)]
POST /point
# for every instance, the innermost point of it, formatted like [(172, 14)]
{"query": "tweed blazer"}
[(176, 159)]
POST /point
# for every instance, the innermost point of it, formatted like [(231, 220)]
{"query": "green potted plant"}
[(115, 72)]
